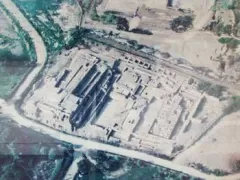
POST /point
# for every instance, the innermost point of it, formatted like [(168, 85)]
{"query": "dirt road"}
[(41, 52)]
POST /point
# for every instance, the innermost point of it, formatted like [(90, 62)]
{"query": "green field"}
[(17, 54), (14, 56), (42, 14), (25, 154), (111, 166)]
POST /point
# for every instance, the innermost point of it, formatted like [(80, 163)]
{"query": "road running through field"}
[(41, 52), (10, 111)]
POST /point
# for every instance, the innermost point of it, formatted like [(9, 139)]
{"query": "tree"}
[(122, 24), (230, 42), (181, 23), (228, 29), (84, 166), (108, 18), (220, 29), (234, 105), (94, 14), (203, 86), (233, 44), (52, 154)]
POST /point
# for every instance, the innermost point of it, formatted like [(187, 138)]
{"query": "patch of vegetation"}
[(85, 4), (11, 74), (94, 15), (234, 105), (222, 5), (122, 24), (77, 37), (204, 169), (105, 162), (113, 12), (203, 86), (235, 165), (230, 5), (182, 23), (24, 154), (236, 10), (25, 39), (110, 17), (230, 42), (141, 31), (219, 28), (210, 89), (17, 56), (133, 169), (41, 14), (228, 29), (215, 90), (50, 31), (114, 18)]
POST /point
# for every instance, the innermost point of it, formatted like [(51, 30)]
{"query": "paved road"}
[(40, 48)]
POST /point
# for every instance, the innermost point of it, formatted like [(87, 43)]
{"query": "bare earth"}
[(220, 149)]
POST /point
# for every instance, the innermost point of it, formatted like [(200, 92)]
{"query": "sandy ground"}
[(220, 149), (69, 16), (197, 47), (201, 9)]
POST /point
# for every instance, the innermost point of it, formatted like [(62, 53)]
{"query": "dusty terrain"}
[(219, 149), (68, 16), (199, 47)]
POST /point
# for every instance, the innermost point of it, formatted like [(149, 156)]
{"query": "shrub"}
[(230, 42), (108, 18), (228, 29), (181, 23), (234, 105), (219, 29), (141, 31), (94, 15), (122, 24), (210, 89), (215, 90), (86, 4), (224, 40), (203, 86)]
